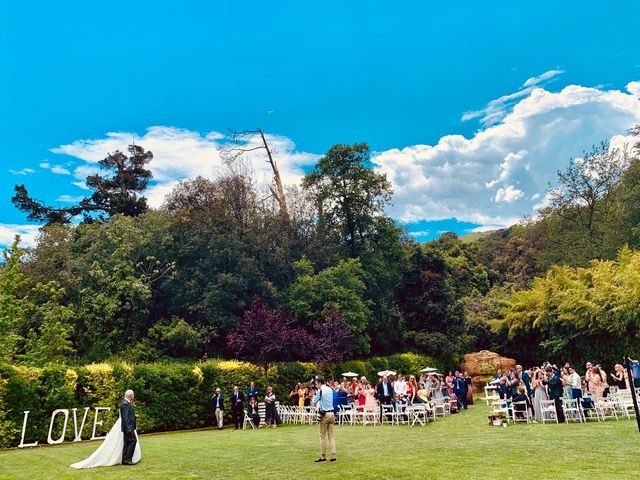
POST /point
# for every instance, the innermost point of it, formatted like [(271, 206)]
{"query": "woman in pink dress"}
[(449, 380), (596, 383)]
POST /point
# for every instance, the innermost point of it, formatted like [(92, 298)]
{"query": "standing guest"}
[(302, 393), (468, 387), (412, 389), (620, 377), (605, 381), (539, 394), (587, 376), (565, 376), (293, 395), (354, 389), (270, 412), (237, 406), (436, 391), (369, 395), (253, 412), (526, 379), (252, 391), (460, 390), (309, 398), (400, 387), (576, 383), (217, 401), (128, 421), (555, 389), (324, 400), (504, 388), (596, 382), (449, 382), (499, 374), (385, 393)]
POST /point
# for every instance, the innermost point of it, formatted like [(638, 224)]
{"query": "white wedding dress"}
[(110, 451)]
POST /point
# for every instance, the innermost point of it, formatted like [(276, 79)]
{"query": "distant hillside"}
[(475, 236)]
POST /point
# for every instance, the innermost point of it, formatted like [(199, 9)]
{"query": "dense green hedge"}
[(169, 396)]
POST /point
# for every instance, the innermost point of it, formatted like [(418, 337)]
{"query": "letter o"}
[(50, 440)]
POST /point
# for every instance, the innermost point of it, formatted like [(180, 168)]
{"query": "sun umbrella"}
[(428, 369), (386, 373), (350, 374)]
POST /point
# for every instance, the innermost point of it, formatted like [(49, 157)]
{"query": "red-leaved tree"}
[(266, 336), (335, 341)]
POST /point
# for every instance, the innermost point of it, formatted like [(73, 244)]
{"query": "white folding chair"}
[(549, 412), (520, 412), (572, 410), (605, 408)]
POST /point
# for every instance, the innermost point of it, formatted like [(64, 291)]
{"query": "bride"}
[(110, 451)]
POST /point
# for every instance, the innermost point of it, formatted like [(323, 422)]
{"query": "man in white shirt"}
[(400, 386), (576, 383)]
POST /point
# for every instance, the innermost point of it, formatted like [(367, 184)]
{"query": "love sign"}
[(77, 430)]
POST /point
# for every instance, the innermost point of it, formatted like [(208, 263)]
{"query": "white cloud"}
[(24, 171), (60, 170), (497, 109), (28, 234), (508, 194), (57, 169), (542, 78), (500, 173), (181, 154)]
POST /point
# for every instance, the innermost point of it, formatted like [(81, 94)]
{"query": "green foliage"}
[(590, 313), (340, 287), (50, 338), (12, 306)]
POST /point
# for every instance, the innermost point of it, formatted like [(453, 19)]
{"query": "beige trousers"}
[(219, 415), (326, 429)]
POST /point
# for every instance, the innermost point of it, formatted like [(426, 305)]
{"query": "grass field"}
[(459, 447)]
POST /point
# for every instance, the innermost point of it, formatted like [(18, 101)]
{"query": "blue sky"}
[(545, 80)]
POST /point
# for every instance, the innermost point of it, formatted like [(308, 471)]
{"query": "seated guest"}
[(422, 396), (253, 412), (521, 397)]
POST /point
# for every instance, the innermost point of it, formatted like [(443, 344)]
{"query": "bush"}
[(162, 390)]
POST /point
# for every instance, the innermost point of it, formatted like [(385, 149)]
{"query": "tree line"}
[(220, 269)]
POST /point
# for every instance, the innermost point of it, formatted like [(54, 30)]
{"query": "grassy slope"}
[(459, 447)]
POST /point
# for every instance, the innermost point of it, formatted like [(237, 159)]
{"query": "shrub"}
[(162, 390)]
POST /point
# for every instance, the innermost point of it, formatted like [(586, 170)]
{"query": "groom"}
[(128, 420)]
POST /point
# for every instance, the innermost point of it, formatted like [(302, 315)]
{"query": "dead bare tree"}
[(244, 142)]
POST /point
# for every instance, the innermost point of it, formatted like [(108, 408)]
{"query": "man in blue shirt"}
[(324, 400)]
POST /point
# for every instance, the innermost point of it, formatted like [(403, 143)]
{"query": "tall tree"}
[(119, 193), (349, 194)]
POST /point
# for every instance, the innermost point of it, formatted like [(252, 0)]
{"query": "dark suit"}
[(460, 391), (237, 407), (128, 426), (382, 398), (527, 382), (556, 392)]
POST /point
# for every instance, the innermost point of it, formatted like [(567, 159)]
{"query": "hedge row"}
[(169, 396)]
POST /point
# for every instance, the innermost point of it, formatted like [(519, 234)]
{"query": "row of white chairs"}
[(355, 414), (603, 409)]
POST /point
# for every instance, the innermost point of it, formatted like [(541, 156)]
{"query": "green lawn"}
[(459, 447)]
